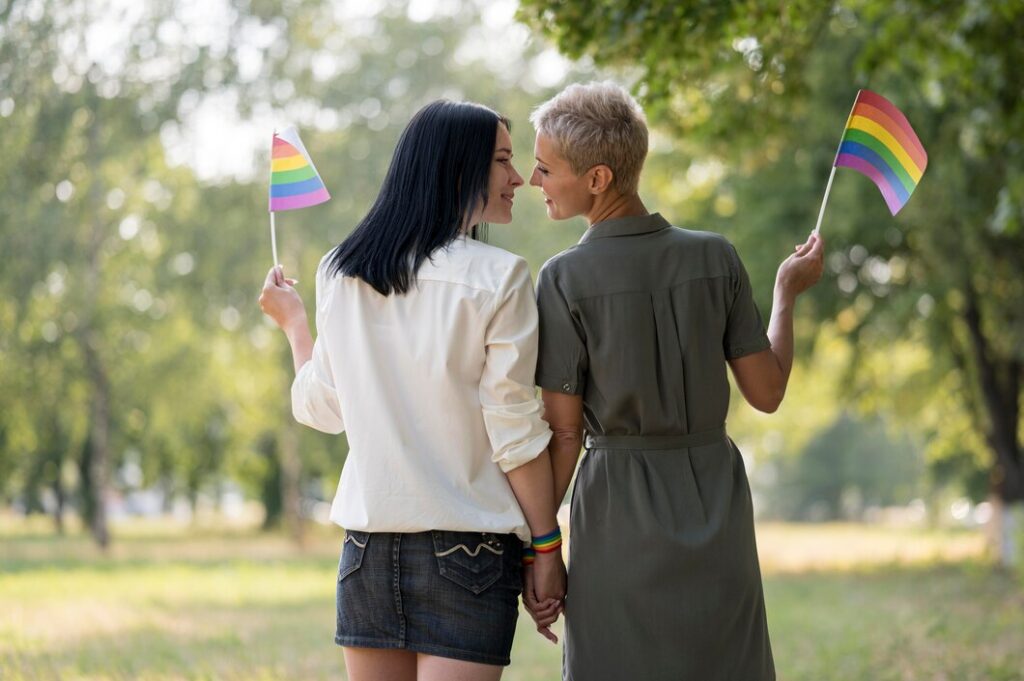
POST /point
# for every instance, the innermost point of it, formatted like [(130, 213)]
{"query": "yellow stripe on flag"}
[(288, 163), (875, 130)]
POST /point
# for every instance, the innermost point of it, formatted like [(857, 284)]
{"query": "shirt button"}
[(566, 387)]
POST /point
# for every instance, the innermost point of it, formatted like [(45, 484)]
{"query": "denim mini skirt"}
[(443, 593)]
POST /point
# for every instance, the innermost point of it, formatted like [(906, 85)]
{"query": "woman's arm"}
[(282, 303), (762, 377), (314, 399), (564, 414), (531, 483)]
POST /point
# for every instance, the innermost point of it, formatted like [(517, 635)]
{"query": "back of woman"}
[(425, 355), (443, 386), (639, 322), (657, 311)]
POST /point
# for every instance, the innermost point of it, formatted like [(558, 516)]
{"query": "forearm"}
[(532, 484), (780, 333), (565, 452), (300, 341)]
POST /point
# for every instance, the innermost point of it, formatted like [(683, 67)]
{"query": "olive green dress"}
[(639, 318)]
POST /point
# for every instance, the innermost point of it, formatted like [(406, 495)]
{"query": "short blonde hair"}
[(597, 123)]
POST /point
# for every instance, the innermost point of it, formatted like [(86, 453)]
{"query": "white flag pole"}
[(821, 213), (270, 189), (273, 239), (828, 187)]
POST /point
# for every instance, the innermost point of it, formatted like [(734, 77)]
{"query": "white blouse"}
[(435, 389)]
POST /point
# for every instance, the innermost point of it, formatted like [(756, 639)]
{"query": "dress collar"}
[(632, 225)]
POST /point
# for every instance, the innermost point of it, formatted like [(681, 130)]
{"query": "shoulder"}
[(564, 263), (323, 267), (712, 242), (711, 249), (477, 264)]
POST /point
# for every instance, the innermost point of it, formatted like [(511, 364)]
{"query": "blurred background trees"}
[(133, 225), (931, 303)]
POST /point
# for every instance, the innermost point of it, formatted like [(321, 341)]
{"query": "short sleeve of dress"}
[(562, 356), (744, 330)]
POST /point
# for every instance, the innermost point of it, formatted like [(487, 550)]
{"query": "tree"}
[(764, 88), (130, 330)]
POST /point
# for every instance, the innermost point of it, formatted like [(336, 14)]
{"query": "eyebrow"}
[(505, 149), (541, 160)]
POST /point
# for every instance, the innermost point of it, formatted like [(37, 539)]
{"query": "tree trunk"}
[(1000, 383), (97, 472), (60, 499), (291, 477)]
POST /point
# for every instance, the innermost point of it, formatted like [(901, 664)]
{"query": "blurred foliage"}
[(755, 95), (132, 353), (849, 469), (132, 280)]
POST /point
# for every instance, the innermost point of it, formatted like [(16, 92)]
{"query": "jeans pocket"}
[(473, 560), (352, 552)]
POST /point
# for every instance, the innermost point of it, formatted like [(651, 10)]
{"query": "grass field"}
[(844, 602)]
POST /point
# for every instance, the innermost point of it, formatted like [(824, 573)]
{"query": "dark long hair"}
[(437, 177)]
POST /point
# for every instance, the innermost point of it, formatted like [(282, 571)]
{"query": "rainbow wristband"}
[(529, 555), (548, 543)]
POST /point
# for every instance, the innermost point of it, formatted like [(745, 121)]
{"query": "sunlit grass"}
[(789, 547), (844, 602)]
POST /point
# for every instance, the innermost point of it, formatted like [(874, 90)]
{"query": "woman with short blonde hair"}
[(597, 124), (638, 323)]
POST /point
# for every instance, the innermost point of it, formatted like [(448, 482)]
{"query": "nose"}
[(535, 178), (516, 180)]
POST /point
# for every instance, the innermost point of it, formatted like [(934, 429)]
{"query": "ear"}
[(601, 177)]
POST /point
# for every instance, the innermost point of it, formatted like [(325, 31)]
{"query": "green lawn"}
[(843, 602)]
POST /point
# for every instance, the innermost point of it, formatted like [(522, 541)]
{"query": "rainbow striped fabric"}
[(879, 142), (294, 181)]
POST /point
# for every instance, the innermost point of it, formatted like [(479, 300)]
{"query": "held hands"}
[(802, 269), (544, 591), (280, 301)]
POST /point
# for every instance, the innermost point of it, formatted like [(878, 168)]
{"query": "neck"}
[(617, 206)]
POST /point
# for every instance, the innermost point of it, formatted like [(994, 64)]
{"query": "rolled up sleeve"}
[(315, 401), (508, 397)]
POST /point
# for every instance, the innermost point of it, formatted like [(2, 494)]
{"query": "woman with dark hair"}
[(425, 353)]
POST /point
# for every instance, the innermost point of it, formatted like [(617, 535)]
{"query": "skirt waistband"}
[(704, 437)]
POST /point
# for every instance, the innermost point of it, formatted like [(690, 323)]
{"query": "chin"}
[(502, 219)]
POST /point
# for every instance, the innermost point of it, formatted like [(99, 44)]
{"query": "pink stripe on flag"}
[(299, 201), (862, 166)]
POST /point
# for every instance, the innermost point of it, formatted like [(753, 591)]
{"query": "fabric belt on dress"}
[(704, 437)]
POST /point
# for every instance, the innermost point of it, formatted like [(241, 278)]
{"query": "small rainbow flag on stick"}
[(879, 142), (294, 181)]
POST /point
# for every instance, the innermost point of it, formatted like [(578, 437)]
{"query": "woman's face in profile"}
[(566, 194), (503, 182)]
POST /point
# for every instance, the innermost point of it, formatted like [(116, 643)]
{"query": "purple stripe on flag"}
[(862, 166), (300, 201)]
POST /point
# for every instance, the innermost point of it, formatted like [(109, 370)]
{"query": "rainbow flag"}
[(294, 181), (879, 142)]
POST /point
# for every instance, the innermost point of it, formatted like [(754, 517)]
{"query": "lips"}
[(507, 197)]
